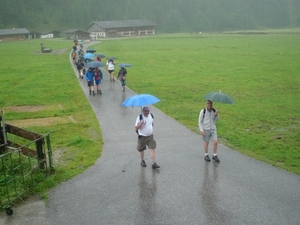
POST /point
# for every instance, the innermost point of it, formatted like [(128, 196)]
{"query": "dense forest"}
[(169, 15)]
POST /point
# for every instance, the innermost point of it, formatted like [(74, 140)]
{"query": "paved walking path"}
[(185, 190)]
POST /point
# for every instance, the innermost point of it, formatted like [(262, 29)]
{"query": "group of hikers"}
[(144, 122), (94, 75)]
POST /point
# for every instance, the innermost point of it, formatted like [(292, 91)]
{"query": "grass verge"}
[(39, 92)]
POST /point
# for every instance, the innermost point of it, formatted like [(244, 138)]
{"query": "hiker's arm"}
[(217, 116), (200, 122)]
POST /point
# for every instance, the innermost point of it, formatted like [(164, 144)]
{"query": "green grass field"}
[(260, 72), (43, 87)]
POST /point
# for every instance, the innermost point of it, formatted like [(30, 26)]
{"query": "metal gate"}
[(22, 166)]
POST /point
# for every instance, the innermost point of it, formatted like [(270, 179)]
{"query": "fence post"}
[(40, 153)]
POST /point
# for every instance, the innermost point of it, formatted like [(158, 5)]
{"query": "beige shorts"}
[(146, 141)]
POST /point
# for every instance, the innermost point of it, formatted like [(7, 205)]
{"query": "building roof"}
[(123, 23), (49, 32), (71, 31), (14, 31)]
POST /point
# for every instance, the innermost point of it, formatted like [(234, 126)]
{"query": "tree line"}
[(169, 15)]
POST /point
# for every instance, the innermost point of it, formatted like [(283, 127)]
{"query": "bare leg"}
[(215, 146), (142, 155), (206, 147), (112, 74), (153, 155)]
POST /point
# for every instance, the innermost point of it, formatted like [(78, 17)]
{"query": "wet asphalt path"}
[(185, 190)]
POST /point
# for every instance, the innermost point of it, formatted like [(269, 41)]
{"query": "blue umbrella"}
[(94, 64), (88, 56), (140, 100), (124, 65)]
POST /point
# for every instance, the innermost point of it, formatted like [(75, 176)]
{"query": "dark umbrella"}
[(111, 57), (124, 65), (219, 97), (94, 64), (90, 51), (100, 55)]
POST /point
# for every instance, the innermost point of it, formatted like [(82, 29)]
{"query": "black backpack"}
[(141, 117), (204, 111)]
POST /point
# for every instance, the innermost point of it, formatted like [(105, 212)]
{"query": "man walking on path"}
[(144, 127), (89, 76), (207, 118)]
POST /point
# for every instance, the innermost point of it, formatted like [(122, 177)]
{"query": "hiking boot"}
[(143, 164), (155, 166), (100, 92), (215, 158), (206, 158)]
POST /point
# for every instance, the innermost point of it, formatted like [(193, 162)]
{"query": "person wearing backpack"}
[(89, 76), (122, 76), (74, 56), (98, 80), (144, 128), (206, 122), (80, 66)]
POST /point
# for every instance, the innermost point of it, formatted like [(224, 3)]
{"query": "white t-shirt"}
[(147, 128), (110, 65)]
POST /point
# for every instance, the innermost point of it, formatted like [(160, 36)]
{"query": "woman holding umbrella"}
[(110, 66), (122, 76)]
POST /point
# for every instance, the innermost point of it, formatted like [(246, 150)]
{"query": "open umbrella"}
[(112, 57), (124, 65), (94, 64), (88, 56), (140, 100), (100, 55), (90, 51), (219, 97)]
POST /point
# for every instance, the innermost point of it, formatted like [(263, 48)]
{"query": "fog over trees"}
[(169, 15)]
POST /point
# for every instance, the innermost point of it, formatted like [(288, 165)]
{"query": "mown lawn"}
[(260, 72), (43, 87)]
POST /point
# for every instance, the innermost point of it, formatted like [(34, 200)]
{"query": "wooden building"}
[(50, 34), (76, 34), (14, 34), (121, 28)]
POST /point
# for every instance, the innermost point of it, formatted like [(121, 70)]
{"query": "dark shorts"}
[(110, 71), (90, 83), (146, 141), (123, 83), (98, 82)]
